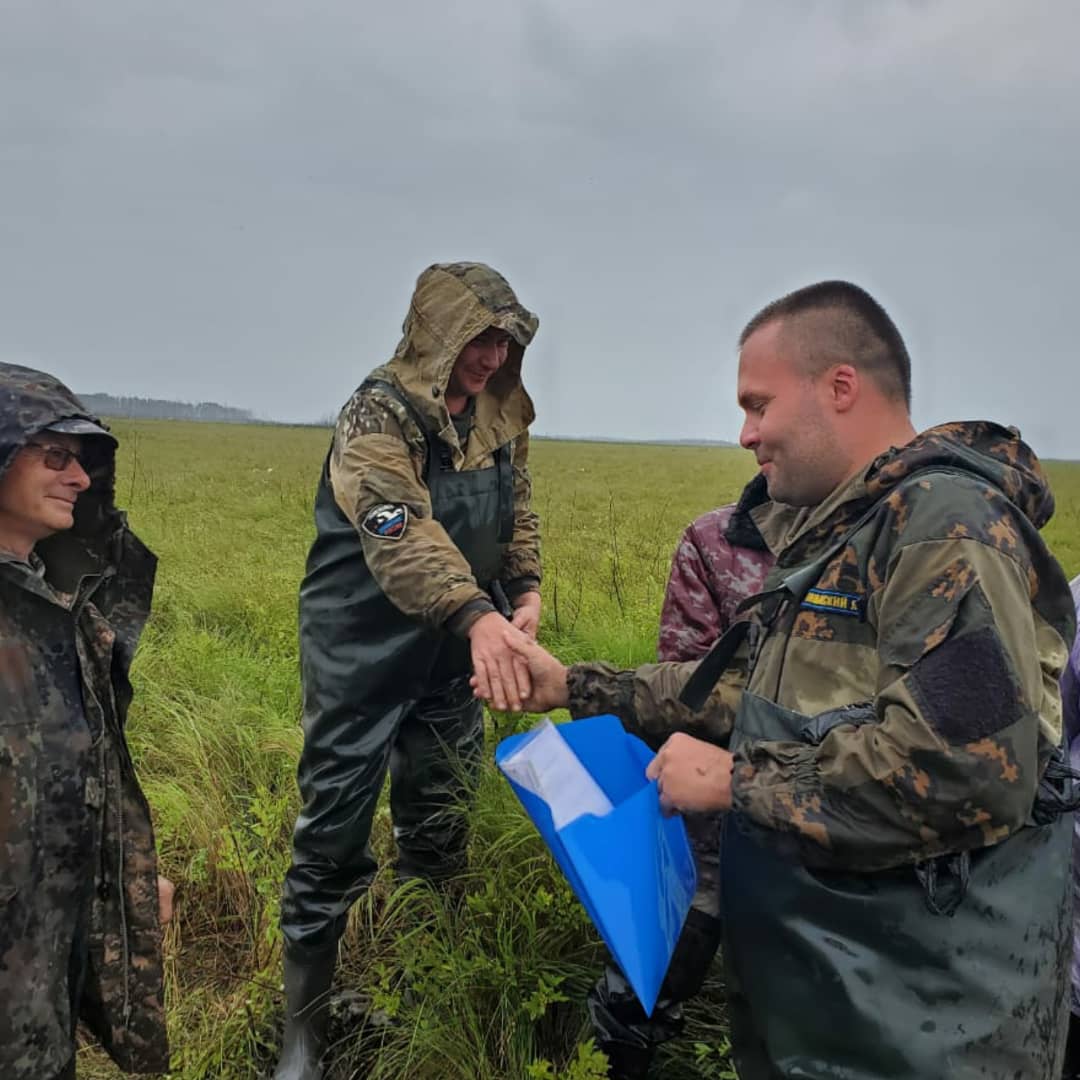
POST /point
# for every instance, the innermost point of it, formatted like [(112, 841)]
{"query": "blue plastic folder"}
[(632, 869)]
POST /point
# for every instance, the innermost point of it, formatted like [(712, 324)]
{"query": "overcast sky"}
[(230, 200)]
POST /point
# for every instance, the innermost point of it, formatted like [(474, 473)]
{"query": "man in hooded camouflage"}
[(895, 877), (721, 559), (79, 892), (424, 534)]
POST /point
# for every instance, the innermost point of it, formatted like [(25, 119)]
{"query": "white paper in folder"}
[(546, 766)]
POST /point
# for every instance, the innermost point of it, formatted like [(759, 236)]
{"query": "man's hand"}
[(527, 613), (165, 890), (547, 675), (693, 776), (500, 676)]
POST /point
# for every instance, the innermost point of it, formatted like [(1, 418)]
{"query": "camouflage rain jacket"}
[(947, 624), (78, 877), (378, 453), (894, 868)]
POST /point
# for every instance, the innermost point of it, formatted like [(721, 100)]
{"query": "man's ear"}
[(844, 387)]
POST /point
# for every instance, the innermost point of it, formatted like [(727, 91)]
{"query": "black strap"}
[(500, 599), (433, 459), (798, 583), (431, 456), (506, 493), (712, 665), (793, 587)]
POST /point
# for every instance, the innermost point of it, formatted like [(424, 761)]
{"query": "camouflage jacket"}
[(378, 451), (721, 559), (942, 625), (79, 933)]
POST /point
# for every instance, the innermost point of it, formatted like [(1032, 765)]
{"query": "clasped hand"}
[(500, 675), (539, 677)]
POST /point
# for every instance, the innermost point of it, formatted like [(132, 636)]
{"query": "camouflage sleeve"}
[(647, 700), (522, 556), (964, 716), (690, 619), (375, 471)]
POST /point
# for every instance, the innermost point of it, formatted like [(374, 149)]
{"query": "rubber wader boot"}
[(307, 997)]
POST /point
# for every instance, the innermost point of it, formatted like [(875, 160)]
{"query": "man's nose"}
[(748, 437), (76, 476)]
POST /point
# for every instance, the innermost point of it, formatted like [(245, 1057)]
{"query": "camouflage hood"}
[(995, 453), (31, 401), (452, 303), (980, 448)]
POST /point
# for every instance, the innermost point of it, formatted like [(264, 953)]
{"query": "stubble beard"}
[(813, 473)]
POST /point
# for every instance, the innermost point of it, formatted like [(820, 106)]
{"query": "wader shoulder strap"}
[(431, 456), (433, 459), (713, 664), (792, 587), (506, 493)]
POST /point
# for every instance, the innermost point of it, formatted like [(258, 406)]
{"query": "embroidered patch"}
[(839, 603), (386, 521)]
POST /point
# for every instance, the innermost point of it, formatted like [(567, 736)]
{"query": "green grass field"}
[(489, 984)]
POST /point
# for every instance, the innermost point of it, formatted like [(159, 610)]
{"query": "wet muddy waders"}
[(624, 1033), (381, 692)]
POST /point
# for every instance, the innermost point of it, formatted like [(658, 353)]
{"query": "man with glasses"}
[(80, 898)]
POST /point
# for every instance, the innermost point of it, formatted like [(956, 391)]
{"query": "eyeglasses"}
[(57, 458)]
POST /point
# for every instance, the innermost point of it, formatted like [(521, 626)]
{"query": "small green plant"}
[(713, 1060), (588, 1063)]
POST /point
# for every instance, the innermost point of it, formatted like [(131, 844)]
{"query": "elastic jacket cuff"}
[(515, 587), (460, 623)]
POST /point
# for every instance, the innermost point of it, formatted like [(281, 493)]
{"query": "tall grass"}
[(487, 981)]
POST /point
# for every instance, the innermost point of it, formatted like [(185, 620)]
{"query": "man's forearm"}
[(646, 699)]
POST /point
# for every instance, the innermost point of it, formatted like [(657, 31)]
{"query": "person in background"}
[(721, 559), (80, 899), (426, 551)]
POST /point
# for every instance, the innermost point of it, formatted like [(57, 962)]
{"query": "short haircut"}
[(836, 322)]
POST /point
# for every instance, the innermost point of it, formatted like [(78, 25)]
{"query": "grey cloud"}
[(232, 201)]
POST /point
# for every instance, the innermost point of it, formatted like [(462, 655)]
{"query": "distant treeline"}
[(625, 440), (158, 409)]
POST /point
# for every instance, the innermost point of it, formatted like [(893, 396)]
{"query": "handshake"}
[(511, 671)]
